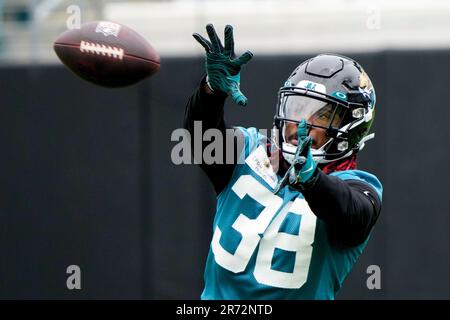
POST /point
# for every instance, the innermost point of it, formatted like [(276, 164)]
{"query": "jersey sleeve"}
[(349, 202), (252, 140), (362, 176)]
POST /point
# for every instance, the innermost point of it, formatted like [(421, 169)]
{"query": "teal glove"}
[(303, 171), (222, 68)]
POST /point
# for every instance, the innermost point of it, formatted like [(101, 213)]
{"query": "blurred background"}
[(85, 172)]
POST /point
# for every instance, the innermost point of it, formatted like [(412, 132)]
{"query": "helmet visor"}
[(316, 112)]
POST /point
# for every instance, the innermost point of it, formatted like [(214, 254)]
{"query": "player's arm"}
[(207, 102), (350, 208), (208, 107)]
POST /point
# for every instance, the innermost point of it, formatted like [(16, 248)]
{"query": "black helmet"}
[(336, 90)]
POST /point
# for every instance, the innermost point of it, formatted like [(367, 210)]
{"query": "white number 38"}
[(268, 223)]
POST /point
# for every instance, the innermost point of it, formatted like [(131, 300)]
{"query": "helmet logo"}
[(364, 80), (366, 88)]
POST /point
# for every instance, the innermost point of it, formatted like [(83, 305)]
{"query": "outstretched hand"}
[(222, 68)]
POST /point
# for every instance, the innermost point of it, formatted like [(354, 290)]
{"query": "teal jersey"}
[(268, 246)]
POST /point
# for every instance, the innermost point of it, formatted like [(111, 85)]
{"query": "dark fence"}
[(86, 179)]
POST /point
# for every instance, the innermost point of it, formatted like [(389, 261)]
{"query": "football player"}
[(293, 230)]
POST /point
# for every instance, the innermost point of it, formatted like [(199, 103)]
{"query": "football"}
[(108, 54)]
